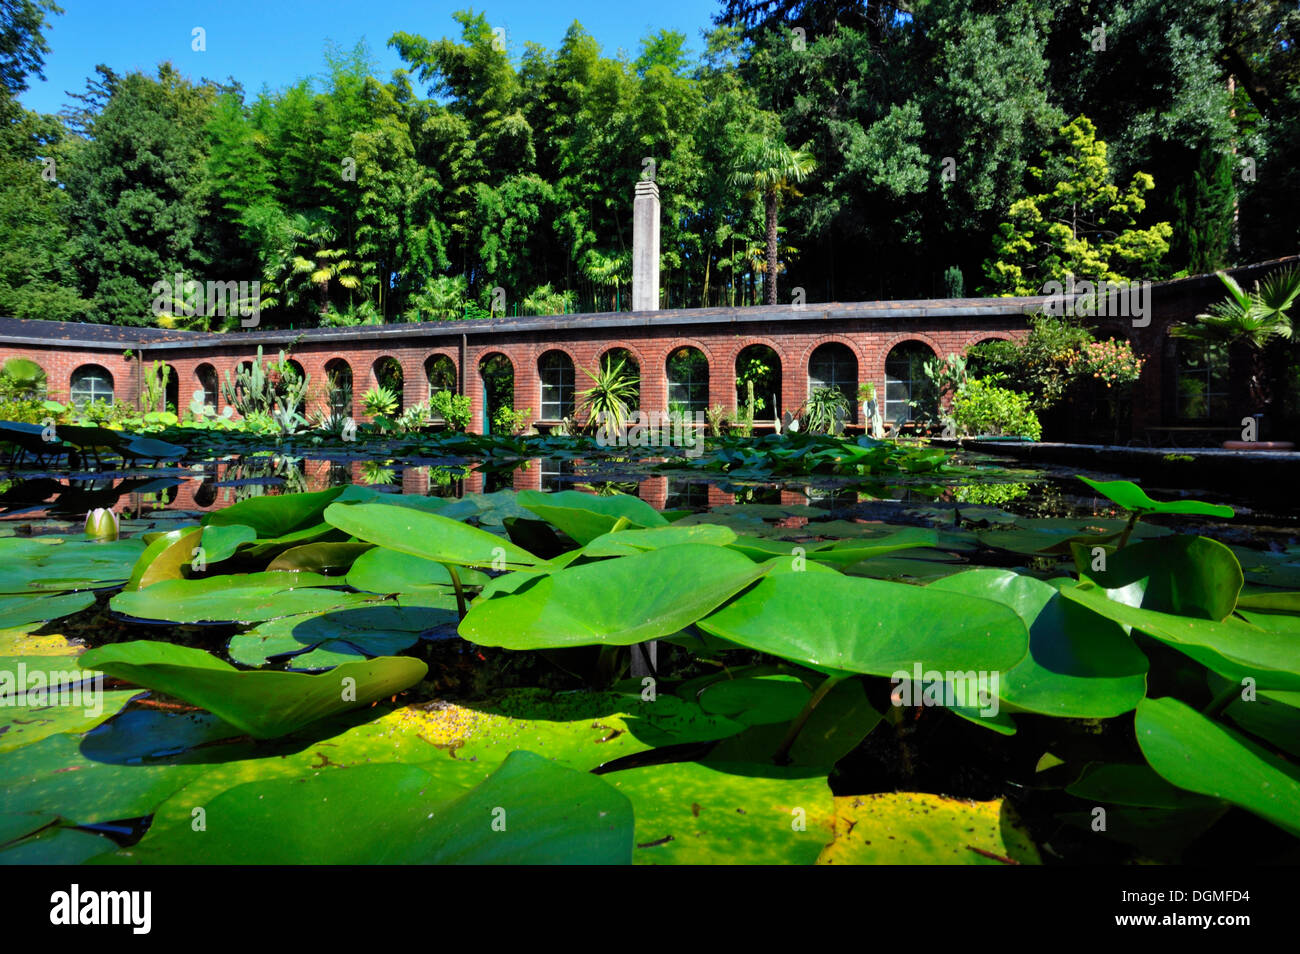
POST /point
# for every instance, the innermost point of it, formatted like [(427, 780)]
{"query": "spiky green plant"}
[(614, 388), (1255, 319)]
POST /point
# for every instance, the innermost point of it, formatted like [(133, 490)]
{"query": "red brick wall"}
[(721, 341)]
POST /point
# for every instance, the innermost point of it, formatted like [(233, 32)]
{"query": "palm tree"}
[(1254, 319), (304, 247), (769, 169)]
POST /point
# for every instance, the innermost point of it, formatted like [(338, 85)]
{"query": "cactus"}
[(269, 389)]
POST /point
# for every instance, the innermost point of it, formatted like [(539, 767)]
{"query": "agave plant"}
[(611, 394), (826, 411), (380, 402)]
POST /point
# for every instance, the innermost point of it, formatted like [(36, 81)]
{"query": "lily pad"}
[(618, 602), (263, 704), (1201, 755), (870, 626), (917, 828)]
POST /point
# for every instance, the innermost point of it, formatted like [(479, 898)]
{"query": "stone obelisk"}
[(645, 247), (645, 297)]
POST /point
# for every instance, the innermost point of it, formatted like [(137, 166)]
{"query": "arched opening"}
[(387, 374), (555, 370), (498, 377), (619, 372), (908, 392), (172, 391), (760, 366), (440, 371), (22, 378), (834, 365), (338, 385), (90, 383), (209, 390), (688, 381)]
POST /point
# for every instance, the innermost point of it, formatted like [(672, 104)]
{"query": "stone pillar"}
[(645, 247)]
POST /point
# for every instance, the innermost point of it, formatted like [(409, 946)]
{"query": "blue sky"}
[(277, 42)]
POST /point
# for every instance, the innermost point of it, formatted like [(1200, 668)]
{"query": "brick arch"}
[(878, 367), (372, 359), (635, 350), (739, 344), (980, 337), (533, 377), (716, 371), (452, 356), (846, 340)]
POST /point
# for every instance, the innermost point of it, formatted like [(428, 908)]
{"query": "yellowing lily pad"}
[(917, 828)]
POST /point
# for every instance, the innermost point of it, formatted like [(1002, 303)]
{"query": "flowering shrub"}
[(1111, 362)]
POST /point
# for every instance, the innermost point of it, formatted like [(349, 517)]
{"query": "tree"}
[(1081, 227), (139, 202), (770, 169), (22, 42), (1253, 319)]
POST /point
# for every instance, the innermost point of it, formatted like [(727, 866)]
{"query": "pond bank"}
[(1264, 475)]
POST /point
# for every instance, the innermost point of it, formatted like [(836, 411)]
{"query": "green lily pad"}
[(1132, 497), (688, 813), (584, 517), (1232, 648), (275, 516), (870, 626), (427, 535), (1195, 753), (1185, 575), (1080, 665), (242, 598), (382, 570), (263, 704), (528, 811), (619, 602), (322, 640)]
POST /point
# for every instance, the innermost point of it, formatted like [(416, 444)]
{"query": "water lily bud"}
[(101, 524)]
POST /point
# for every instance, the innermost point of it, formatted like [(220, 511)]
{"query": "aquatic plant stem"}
[(1123, 537), (782, 755), (460, 592)]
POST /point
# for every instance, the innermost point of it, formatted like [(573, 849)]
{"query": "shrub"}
[(509, 421), (452, 408), (380, 402), (982, 407)]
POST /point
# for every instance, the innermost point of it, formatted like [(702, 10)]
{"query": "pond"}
[(775, 650)]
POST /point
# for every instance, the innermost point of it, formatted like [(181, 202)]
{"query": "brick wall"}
[(721, 334)]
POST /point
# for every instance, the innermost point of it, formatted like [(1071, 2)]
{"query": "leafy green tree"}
[(138, 194), (1082, 226)]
